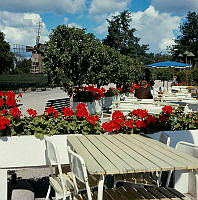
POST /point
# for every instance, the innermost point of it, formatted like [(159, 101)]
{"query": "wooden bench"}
[(58, 104)]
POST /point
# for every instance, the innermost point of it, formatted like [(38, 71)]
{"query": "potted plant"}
[(111, 95), (89, 95)]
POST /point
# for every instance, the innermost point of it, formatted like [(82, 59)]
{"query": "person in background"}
[(144, 91)]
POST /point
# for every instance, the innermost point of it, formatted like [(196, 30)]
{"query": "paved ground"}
[(37, 100)]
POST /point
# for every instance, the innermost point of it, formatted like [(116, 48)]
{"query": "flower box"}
[(92, 107), (29, 151)]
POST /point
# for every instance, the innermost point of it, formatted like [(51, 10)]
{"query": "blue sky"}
[(156, 21)]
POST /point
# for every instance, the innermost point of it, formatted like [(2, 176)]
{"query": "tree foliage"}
[(23, 66), (6, 57), (188, 38), (69, 56), (74, 58), (121, 37)]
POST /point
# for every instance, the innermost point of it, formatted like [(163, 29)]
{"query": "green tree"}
[(69, 56), (188, 38), (6, 57), (23, 66), (121, 37)]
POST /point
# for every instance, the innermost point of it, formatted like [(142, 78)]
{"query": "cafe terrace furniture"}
[(26, 151), (151, 179), (123, 154), (190, 183), (62, 183)]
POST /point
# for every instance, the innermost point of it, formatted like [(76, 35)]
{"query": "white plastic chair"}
[(79, 171), (60, 181), (65, 185), (185, 181)]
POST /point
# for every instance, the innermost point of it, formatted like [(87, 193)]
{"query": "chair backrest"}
[(53, 159), (187, 148), (164, 138), (79, 170)]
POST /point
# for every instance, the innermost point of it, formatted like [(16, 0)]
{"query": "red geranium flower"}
[(20, 95), (4, 122), (11, 102), (10, 95), (162, 118), (51, 111), (92, 119), (118, 115), (1, 102), (129, 123), (68, 112), (2, 94), (3, 111), (140, 124), (15, 112), (151, 119), (167, 109), (81, 110), (140, 113), (32, 112), (107, 127)]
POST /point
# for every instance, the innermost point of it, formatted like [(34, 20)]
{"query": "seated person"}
[(143, 92)]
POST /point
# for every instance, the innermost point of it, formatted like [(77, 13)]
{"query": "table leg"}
[(3, 184), (100, 187), (196, 183)]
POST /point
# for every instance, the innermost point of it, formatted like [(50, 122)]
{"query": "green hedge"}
[(16, 81)]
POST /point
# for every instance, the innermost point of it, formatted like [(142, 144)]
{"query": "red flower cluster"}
[(1, 102), (81, 110), (92, 119), (118, 115), (135, 85), (151, 119), (167, 109), (140, 124), (95, 92), (162, 118), (129, 123), (32, 112), (51, 111), (4, 122), (15, 112), (10, 95), (68, 112), (140, 113), (11, 102)]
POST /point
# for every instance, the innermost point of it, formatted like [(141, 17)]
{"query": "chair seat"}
[(123, 193), (69, 184), (137, 178)]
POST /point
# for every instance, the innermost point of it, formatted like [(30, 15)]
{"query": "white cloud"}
[(106, 6), (152, 27), (74, 25), (58, 6), (176, 6), (21, 28), (155, 28)]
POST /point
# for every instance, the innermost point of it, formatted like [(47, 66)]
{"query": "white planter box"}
[(28, 151), (183, 180), (93, 107), (108, 101)]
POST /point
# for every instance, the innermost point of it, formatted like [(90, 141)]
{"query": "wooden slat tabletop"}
[(120, 154)]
